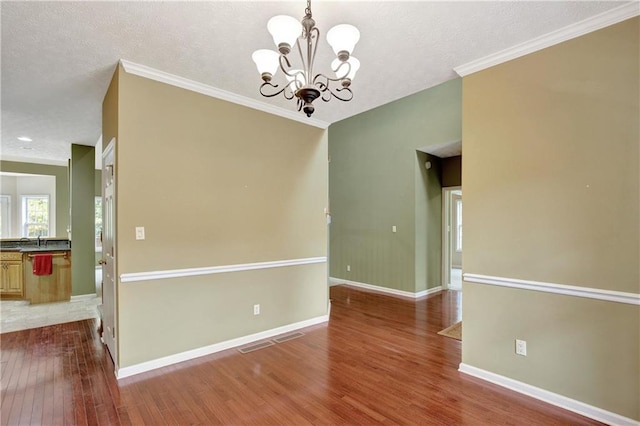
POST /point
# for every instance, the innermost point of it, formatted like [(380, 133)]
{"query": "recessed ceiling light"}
[(25, 139)]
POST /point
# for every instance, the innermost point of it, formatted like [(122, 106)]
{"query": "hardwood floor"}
[(378, 360)]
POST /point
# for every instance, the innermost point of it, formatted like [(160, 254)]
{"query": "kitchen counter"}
[(39, 249), (31, 245), (18, 280)]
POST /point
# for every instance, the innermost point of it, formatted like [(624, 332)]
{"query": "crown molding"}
[(214, 92), (605, 19)]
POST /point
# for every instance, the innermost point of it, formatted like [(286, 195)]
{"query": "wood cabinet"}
[(49, 288), (11, 276)]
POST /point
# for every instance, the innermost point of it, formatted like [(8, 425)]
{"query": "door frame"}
[(110, 151), (447, 235)]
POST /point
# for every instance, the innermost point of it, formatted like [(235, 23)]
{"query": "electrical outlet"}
[(256, 309), (521, 347), (348, 268)]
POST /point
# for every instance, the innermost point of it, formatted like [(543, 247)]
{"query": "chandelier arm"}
[(327, 93), (326, 77), (305, 64), (288, 95), (348, 64), (273, 86), (313, 48), (284, 69), (347, 90)]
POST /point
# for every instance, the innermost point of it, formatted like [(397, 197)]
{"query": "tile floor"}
[(18, 315), (456, 279)]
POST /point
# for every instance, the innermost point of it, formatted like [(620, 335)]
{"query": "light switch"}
[(139, 232), (393, 228)]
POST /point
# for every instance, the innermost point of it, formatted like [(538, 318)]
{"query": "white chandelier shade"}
[(267, 61), (343, 37), (285, 30)]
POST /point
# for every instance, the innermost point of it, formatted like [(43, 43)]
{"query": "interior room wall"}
[(377, 181), (211, 191), (61, 174), (551, 194)]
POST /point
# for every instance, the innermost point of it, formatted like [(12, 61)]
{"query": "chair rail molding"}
[(567, 290), (190, 272)]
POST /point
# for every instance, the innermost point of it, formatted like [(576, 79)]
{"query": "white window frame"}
[(5, 205), (459, 225), (25, 224)]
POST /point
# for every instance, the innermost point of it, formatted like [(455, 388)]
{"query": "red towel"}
[(43, 264)]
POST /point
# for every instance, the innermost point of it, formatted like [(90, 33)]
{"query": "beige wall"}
[(551, 193), (214, 183)]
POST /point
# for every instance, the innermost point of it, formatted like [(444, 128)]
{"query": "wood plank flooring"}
[(378, 360)]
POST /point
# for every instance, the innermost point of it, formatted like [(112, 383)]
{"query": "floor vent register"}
[(267, 343)]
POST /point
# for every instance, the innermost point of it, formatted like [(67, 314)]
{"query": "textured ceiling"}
[(58, 57)]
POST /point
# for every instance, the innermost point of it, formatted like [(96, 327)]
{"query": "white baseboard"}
[(392, 291), (552, 398), (216, 347), (82, 297)]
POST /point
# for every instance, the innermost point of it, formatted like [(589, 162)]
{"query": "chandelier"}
[(302, 83)]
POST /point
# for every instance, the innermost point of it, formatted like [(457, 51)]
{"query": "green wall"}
[(61, 174), (82, 219), (378, 180)]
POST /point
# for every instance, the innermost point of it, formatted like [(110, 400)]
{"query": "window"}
[(98, 230), (458, 225), (5, 216), (35, 216)]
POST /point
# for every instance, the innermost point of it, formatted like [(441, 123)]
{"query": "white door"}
[(109, 290), (452, 238)]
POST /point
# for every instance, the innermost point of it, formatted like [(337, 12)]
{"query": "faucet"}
[(38, 240)]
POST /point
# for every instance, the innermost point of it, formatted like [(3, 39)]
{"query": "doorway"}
[(452, 238), (109, 288)]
